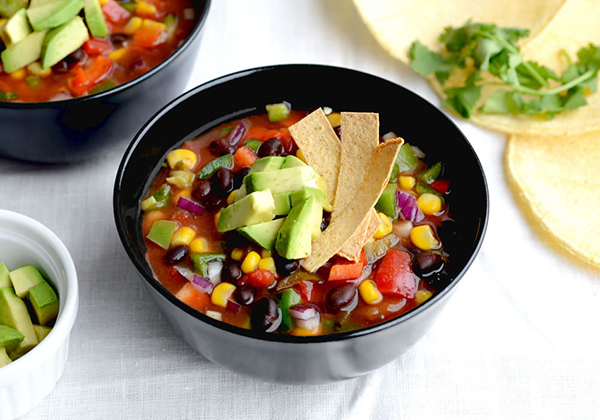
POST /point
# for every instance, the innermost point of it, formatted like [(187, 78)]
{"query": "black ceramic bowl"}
[(76, 129), (283, 358)]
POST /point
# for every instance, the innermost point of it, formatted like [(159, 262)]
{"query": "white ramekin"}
[(28, 380)]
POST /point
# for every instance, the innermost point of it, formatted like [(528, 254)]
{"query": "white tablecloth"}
[(519, 340)]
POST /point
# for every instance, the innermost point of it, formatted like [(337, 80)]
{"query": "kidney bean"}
[(341, 297), (177, 254), (270, 147), (265, 315)]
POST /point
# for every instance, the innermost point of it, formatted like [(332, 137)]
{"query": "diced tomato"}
[(441, 185), (307, 290), (97, 46), (115, 12), (150, 34), (395, 276), (347, 270), (244, 156), (84, 80), (259, 278), (191, 297)]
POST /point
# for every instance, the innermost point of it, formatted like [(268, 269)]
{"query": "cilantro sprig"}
[(524, 87), (7, 96)]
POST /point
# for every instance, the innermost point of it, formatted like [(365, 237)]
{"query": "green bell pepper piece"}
[(388, 202), (200, 261), (278, 112), (406, 162), (422, 189), (377, 249), (161, 232), (213, 166), (289, 298), (253, 144), (430, 174), (161, 198), (103, 87)]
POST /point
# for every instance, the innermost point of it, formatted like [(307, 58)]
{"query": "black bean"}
[(427, 264), (76, 56), (324, 224), (222, 147), (231, 272), (214, 203), (118, 40), (270, 147), (244, 295), (341, 297), (338, 131), (449, 234), (177, 254), (201, 189), (222, 182), (238, 177), (284, 266), (265, 315)]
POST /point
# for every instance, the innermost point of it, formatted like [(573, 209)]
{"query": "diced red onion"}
[(402, 228), (185, 272), (237, 134), (326, 110), (233, 306), (214, 269), (215, 315), (303, 312), (407, 204), (389, 136), (189, 205), (202, 285), (137, 64), (418, 152)]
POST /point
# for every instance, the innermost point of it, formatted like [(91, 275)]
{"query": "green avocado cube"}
[(13, 313), (16, 28), (162, 232), (53, 14), (268, 163), (296, 234), (24, 52), (24, 278), (283, 203), (4, 277), (292, 162), (9, 337), (254, 208), (95, 18), (4, 359), (41, 331), (9, 7), (63, 40), (304, 193), (264, 234), (282, 180), (44, 302)]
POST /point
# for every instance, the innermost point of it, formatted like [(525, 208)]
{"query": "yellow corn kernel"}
[(35, 68), (103, 2), (182, 193), (369, 292), (181, 159), (3, 21), (385, 228), (116, 55), (423, 238), (217, 217), (237, 254), (221, 294), (300, 156), (429, 203), (133, 25), (267, 264), (152, 24), (19, 74), (146, 9), (265, 253), (183, 236), (335, 119), (407, 182), (231, 197), (198, 246), (250, 262), (153, 216), (304, 332), (422, 295)]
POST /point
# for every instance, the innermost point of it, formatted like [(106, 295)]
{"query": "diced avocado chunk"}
[(36, 3), (9, 7), (161, 232), (388, 203), (41, 331), (4, 359), (13, 313), (4, 276), (283, 180), (269, 163), (24, 278), (24, 52), (295, 235), (9, 337), (16, 29), (254, 208), (241, 193), (95, 18), (278, 112), (264, 234), (304, 193), (53, 14), (283, 204), (63, 40), (44, 302), (292, 162)]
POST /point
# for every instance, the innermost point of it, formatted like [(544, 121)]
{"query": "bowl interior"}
[(305, 87)]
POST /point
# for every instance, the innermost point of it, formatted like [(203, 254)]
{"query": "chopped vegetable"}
[(289, 298), (189, 205), (225, 161), (407, 204), (430, 174), (253, 144), (406, 162), (278, 112), (244, 156), (161, 232), (395, 276), (200, 261), (346, 270), (377, 249)]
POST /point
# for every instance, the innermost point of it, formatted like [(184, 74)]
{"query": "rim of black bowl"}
[(274, 337), (68, 102)]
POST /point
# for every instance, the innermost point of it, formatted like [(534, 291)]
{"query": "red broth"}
[(314, 289)]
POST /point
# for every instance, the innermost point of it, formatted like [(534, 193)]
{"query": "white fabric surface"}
[(519, 340)]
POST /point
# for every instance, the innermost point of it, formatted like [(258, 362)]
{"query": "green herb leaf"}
[(426, 62)]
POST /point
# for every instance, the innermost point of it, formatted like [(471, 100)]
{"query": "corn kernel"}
[(335, 119), (181, 159), (145, 8), (148, 203), (153, 216), (250, 262), (407, 182), (181, 179), (265, 253), (183, 236), (133, 25), (152, 24), (267, 264), (304, 332), (198, 246), (231, 197), (237, 254), (117, 54), (429, 203), (217, 217), (19, 74), (36, 69), (221, 294), (182, 193), (3, 22), (300, 156), (103, 2), (422, 295), (369, 292), (422, 237), (385, 228)]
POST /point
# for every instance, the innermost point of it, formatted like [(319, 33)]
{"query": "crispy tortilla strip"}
[(349, 221), (396, 24), (320, 146), (355, 244), (557, 179)]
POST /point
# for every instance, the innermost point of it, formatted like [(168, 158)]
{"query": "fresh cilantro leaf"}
[(485, 50), (575, 98), (527, 80), (426, 62), (504, 102)]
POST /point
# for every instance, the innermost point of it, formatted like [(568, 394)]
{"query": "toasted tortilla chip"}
[(396, 24), (343, 227), (354, 245), (557, 179), (320, 146)]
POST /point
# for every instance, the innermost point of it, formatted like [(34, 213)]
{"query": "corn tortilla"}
[(343, 227), (557, 178)]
